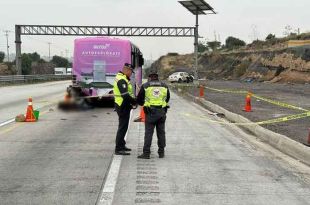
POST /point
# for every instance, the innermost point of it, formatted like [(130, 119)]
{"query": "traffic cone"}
[(142, 114), (141, 118), (67, 97), (29, 114), (201, 91), (248, 107)]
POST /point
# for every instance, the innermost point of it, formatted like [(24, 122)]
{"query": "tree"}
[(214, 45), (60, 61), (2, 55), (202, 46), (232, 43), (270, 37), (26, 64), (287, 30), (41, 61), (35, 57)]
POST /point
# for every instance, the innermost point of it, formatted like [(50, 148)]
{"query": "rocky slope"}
[(279, 65)]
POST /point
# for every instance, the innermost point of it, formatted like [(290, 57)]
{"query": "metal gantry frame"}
[(196, 7), (96, 31), (105, 30)]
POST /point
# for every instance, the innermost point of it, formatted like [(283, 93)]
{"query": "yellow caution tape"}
[(271, 121), (279, 103), (274, 102), (227, 91)]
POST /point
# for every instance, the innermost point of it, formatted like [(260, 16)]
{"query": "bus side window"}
[(141, 60)]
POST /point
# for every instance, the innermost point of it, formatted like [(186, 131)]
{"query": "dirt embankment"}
[(6, 69), (293, 94), (36, 68), (287, 65)]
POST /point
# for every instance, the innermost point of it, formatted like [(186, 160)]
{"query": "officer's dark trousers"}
[(123, 121), (151, 122)]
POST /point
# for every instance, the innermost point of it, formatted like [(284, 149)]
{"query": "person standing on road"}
[(154, 96), (124, 102)]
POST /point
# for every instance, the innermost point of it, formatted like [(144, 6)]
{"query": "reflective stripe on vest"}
[(118, 98), (155, 96)]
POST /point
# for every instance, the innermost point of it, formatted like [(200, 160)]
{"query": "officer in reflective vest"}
[(124, 101), (154, 96)]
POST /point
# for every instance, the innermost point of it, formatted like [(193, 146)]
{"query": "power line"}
[(45, 42)]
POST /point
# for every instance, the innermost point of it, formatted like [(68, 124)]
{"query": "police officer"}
[(154, 96), (124, 102)]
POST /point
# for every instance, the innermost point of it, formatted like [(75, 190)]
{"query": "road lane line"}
[(7, 122), (108, 190), (47, 104), (16, 125)]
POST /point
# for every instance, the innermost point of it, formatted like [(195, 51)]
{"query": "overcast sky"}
[(245, 19)]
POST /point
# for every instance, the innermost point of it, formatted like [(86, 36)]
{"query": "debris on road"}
[(20, 118)]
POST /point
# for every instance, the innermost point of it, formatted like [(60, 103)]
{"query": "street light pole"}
[(197, 7), (196, 48), (7, 44)]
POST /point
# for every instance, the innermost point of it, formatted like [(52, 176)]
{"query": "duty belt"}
[(158, 106)]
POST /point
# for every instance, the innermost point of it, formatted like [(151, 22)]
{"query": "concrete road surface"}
[(61, 159), (14, 99), (65, 158), (208, 163)]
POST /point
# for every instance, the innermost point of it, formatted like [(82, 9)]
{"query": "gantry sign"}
[(196, 7), (95, 31)]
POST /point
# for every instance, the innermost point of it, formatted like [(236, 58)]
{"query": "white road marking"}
[(7, 122), (107, 193), (13, 120)]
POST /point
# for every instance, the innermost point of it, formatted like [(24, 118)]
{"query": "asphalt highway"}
[(67, 158)]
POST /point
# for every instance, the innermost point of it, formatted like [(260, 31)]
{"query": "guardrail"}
[(16, 79)]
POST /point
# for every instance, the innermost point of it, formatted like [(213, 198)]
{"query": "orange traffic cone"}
[(201, 91), (29, 114), (142, 114), (67, 97), (248, 107), (141, 118)]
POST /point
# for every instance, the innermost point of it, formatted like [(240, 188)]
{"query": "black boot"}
[(126, 149), (121, 152), (161, 155), (144, 156)]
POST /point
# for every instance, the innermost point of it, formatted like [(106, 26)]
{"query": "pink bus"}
[(97, 60)]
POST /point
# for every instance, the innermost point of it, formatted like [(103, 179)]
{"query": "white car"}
[(179, 77)]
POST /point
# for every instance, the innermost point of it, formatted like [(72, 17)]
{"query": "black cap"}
[(129, 66), (152, 73)]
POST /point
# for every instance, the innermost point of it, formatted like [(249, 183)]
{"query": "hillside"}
[(271, 62)]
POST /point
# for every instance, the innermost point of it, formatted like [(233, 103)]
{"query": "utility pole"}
[(67, 52), (49, 51), (7, 44), (215, 36)]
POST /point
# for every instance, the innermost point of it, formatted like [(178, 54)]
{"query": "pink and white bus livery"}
[(96, 62)]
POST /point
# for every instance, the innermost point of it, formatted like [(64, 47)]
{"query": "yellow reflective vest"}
[(155, 96), (118, 98)]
